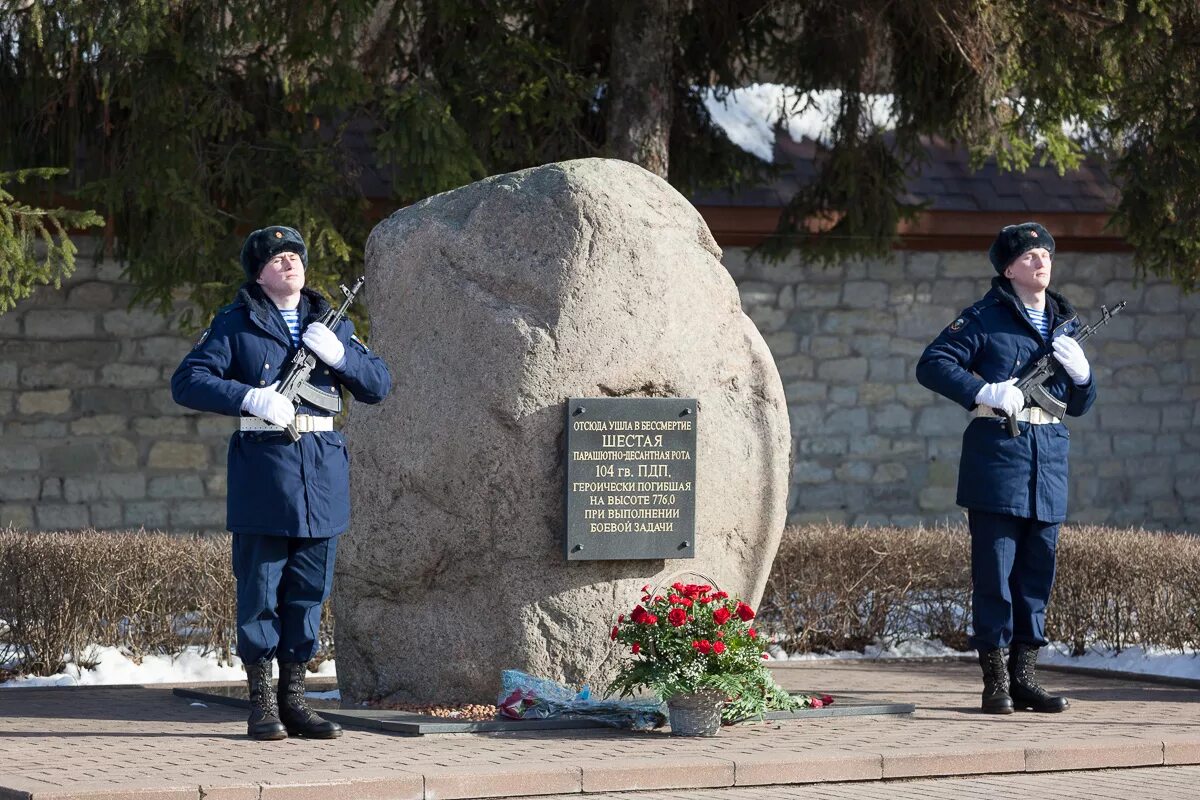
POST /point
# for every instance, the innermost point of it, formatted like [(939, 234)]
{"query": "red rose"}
[(704, 600), (614, 633), (765, 656), (658, 598), (720, 595), (720, 634), (620, 617), (695, 644), (646, 589), (827, 699), (674, 598), (718, 647), (677, 617), (721, 616), (744, 612), (816, 702), (677, 586), (685, 602), (705, 646), (753, 633), (637, 648), (638, 615), (651, 619)]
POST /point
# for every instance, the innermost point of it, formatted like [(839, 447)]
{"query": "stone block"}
[(107, 515), (757, 293), (818, 296), (62, 517), (768, 319), (1117, 417), (130, 376), (161, 350), (843, 396), (822, 445), (90, 295), (965, 264), (804, 391), (810, 472), (781, 343), (890, 473), (49, 402), (8, 375), (936, 498), (121, 453), (19, 457), (41, 430), (19, 487), (73, 457), (851, 420), (163, 426), (16, 515), (107, 400), (6, 403), (57, 376), (198, 515), (1133, 444), (787, 298), (497, 780), (174, 486), (81, 490), (864, 294), (822, 347), (1093, 753), (854, 471), (1159, 327), (177, 455), (873, 394), (152, 515), (872, 346), (844, 323), (60, 324), (123, 486), (52, 489), (812, 765), (215, 484), (1161, 298), (843, 370), (135, 322), (892, 418), (10, 325), (99, 425)]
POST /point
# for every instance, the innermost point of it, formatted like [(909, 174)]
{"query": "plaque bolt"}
[(580, 410), (578, 547), (684, 545), (685, 412)]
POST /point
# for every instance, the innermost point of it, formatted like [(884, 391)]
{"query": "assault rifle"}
[(1031, 381), (295, 385)]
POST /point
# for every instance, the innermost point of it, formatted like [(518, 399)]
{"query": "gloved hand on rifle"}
[(1001, 396), (325, 345), (1070, 355), (266, 403)]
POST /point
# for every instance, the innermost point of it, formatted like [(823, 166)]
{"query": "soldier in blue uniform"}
[(287, 502), (1014, 488)]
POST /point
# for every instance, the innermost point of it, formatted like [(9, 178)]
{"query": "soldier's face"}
[(283, 274), (1030, 270)]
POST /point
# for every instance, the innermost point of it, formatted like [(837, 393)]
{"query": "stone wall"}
[(91, 436), (872, 446)]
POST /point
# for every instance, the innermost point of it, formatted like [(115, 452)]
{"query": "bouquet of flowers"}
[(695, 639)]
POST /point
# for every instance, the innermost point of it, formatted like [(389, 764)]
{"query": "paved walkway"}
[(146, 744)]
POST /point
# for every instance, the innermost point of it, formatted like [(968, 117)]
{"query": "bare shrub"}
[(142, 592), (839, 588)]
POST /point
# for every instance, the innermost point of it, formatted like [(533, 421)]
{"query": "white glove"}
[(1070, 355), (1004, 397), (325, 345), (266, 403)]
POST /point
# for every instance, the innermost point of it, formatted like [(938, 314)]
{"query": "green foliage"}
[(191, 122), (693, 640), (24, 230)]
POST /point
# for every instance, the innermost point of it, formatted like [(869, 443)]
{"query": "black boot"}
[(995, 683), (263, 723), (1026, 693), (293, 708)]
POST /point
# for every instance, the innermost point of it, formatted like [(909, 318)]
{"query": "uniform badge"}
[(203, 336), (278, 234), (957, 325)]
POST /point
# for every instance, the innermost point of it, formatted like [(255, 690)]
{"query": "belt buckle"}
[(303, 423), (1036, 416)]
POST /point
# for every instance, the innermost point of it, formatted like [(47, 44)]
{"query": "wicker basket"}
[(696, 713)]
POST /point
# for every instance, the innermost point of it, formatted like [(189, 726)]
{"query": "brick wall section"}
[(872, 446), (91, 436)]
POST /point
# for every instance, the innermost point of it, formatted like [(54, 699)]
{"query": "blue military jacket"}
[(276, 487), (990, 342)]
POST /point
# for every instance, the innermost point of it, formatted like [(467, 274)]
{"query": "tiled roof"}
[(946, 182)]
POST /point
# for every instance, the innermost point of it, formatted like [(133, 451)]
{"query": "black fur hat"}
[(266, 242), (1013, 240)]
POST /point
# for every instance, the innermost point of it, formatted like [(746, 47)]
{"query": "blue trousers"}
[(1012, 571), (282, 582)]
